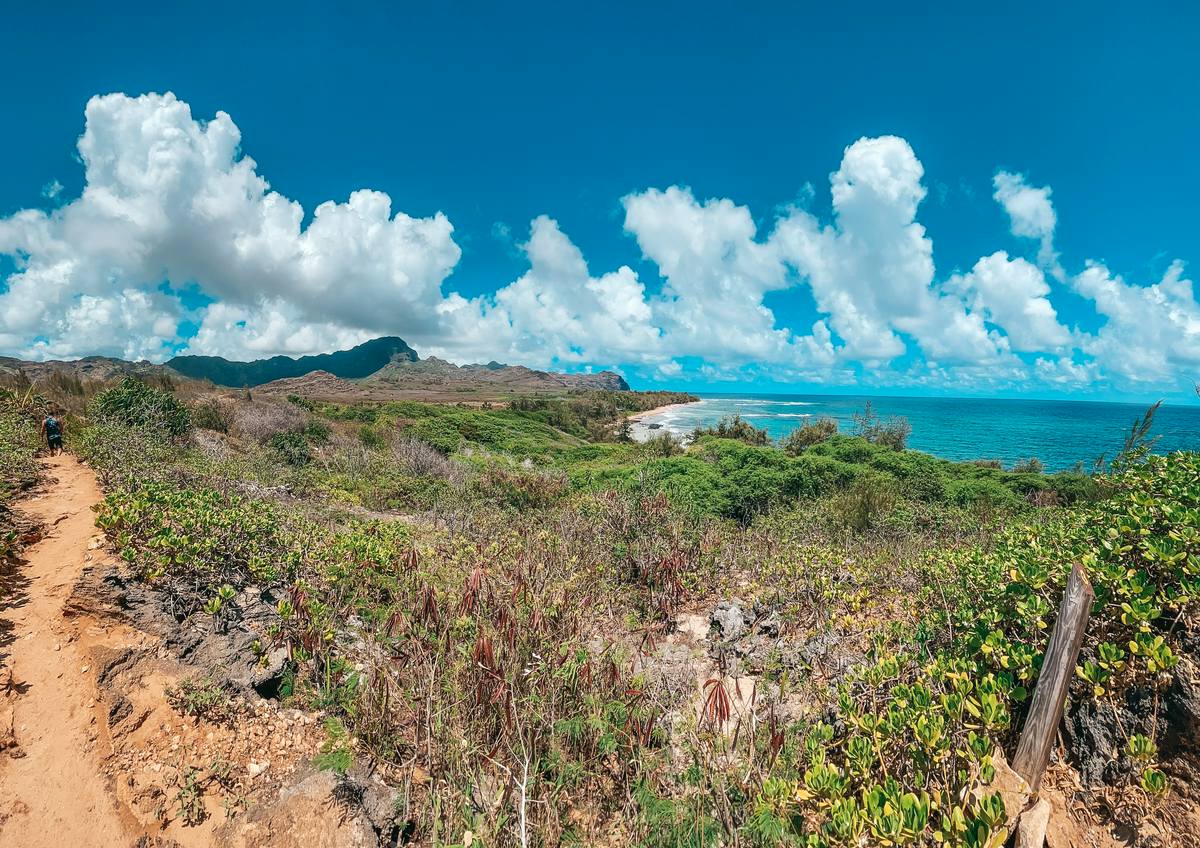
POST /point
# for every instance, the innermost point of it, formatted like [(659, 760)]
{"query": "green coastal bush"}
[(19, 443), (891, 432), (211, 415), (734, 427), (733, 479), (867, 501), (521, 489), (135, 403), (196, 539), (292, 448), (812, 433)]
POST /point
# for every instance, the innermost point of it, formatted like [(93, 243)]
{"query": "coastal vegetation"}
[(20, 413), (497, 608)]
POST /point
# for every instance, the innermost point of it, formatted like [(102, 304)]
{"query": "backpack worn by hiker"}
[(53, 430)]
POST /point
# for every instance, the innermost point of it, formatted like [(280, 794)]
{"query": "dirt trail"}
[(52, 789), (92, 754)]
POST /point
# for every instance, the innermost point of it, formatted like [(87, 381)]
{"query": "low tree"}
[(812, 433), (734, 427), (890, 433)]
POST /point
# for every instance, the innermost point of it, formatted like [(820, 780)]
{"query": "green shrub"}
[(317, 431), (852, 449), (867, 501), (196, 539), (292, 448), (211, 415), (734, 427), (135, 403), (812, 433), (920, 475), (441, 433), (19, 443), (982, 491), (1033, 465), (370, 437), (811, 476), (1072, 486), (662, 444), (124, 453), (521, 490), (890, 433)]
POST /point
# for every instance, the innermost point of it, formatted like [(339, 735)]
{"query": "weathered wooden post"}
[(1050, 695)]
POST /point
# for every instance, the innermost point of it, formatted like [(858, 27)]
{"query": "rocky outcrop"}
[(321, 810), (1095, 731), (103, 591)]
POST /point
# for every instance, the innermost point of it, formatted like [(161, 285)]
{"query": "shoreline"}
[(638, 416), (640, 424)]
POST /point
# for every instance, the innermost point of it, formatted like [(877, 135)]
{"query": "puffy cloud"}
[(1013, 294), (168, 197), (1066, 373), (171, 203), (129, 324), (268, 329), (872, 269), (716, 274), (554, 313), (1152, 333), (1031, 214)]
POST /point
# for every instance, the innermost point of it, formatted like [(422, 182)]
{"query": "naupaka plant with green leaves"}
[(199, 541)]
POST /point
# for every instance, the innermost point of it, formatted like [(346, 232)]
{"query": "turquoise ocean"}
[(1059, 433)]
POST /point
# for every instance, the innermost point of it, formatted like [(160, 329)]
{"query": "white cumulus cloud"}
[(1152, 333), (872, 268), (171, 198), (556, 312), (1013, 294), (1031, 214), (172, 204), (716, 274)]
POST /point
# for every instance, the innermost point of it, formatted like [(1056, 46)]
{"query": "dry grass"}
[(259, 421), (423, 460)]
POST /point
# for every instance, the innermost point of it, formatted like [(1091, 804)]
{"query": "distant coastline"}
[(1058, 433), (644, 424), (658, 410)]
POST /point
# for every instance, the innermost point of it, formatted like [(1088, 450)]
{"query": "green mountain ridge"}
[(387, 362), (359, 361)]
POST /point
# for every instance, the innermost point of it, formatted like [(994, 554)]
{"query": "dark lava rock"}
[(229, 651), (1181, 708), (769, 625), (730, 620), (1095, 733)]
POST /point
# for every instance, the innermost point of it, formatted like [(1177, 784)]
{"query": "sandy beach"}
[(638, 416), (641, 428)]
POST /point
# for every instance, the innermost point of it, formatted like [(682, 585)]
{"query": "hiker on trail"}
[(52, 428)]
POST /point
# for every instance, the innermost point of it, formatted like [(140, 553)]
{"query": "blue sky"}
[(520, 142)]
